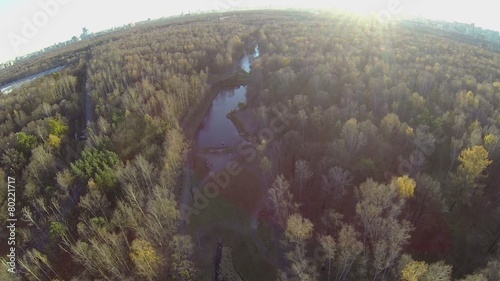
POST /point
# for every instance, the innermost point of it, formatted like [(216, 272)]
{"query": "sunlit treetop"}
[(406, 186), (414, 270), (490, 139), (473, 161)]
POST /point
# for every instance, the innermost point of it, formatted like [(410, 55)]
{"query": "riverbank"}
[(244, 122), (216, 82), (225, 270), (230, 216)]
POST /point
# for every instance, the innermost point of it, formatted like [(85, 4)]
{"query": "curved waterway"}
[(16, 84), (217, 136)]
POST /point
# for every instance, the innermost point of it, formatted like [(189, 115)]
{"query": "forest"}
[(384, 168)]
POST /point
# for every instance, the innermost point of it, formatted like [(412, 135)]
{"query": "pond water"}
[(216, 130), (16, 84), (217, 135)]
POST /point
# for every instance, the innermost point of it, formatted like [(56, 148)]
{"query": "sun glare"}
[(357, 6)]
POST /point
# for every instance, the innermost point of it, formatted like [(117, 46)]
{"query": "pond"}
[(16, 84), (217, 131)]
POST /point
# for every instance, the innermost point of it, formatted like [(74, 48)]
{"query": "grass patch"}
[(249, 260), (227, 217), (218, 211)]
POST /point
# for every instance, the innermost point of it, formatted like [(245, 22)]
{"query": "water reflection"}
[(16, 84), (217, 134), (216, 129)]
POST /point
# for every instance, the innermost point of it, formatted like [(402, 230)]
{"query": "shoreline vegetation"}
[(225, 269), (243, 121), (231, 79)]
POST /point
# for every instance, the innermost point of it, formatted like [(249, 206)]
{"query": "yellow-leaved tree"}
[(146, 260), (298, 229), (473, 161), (54, 141), (406, 186), (414, 270)]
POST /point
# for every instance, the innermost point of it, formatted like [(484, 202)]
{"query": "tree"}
[(262, 115), (267, 168), (387, 249), (329, 246), (406, 186), (57, 127), (98, 165), (303, 174), (37, 265), (424, 142), (281, 200), (438, 271), (492, 270), (474, 277), (411, 270), (473, 161), (65, 179), (26, 143), (427, 196), (94, 203), (378, 202), (298, 229), (348, 249), (175, 148), (468, 101), (57, 230), (54, 141), (390, 125), (42, 164), (103, 253), (3, 197), (147, 261), (414, 270), (106, 179), (4, 274), (301, 268), (336, 181), (476, 134), (14, 159), (490, 139), (378, 210), (162, 219), (354, 138), (182, 264)]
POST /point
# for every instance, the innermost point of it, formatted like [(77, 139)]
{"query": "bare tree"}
[(303, 174), (354, 139), (281, 200), (378, 209), (329, 246), (336, 181), (298, 231), (348, 249)]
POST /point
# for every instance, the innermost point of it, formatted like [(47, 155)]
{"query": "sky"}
[(30, 25)]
